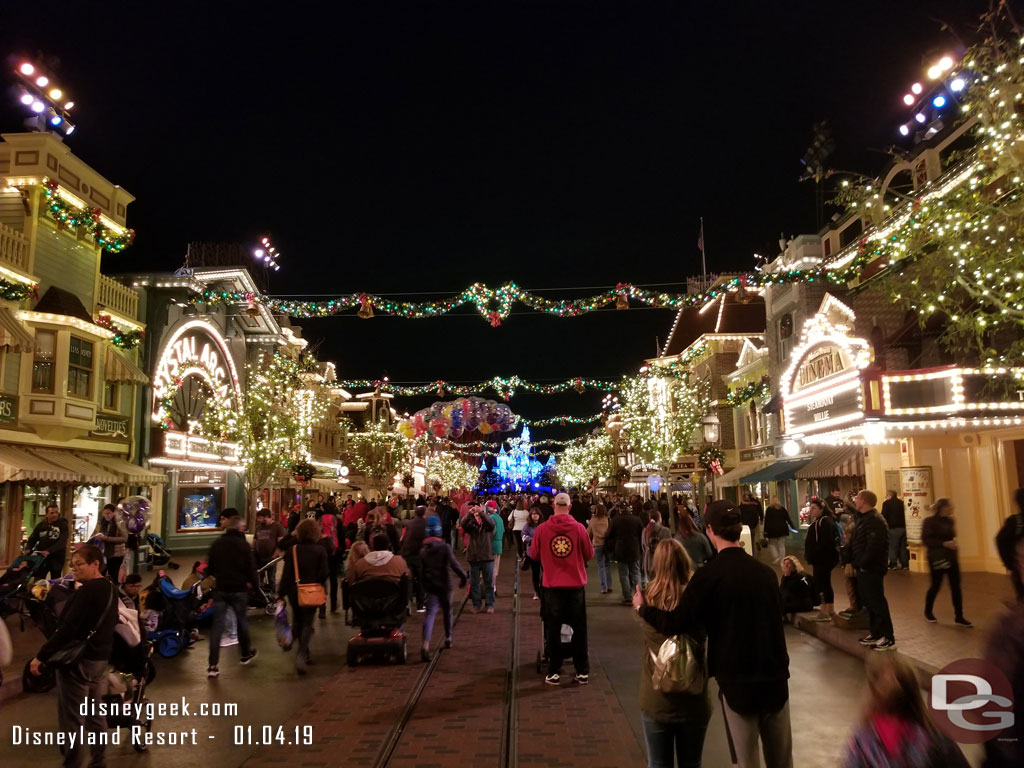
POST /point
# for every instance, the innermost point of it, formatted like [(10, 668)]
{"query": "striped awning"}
[(131, 474), (847, 461), (81, 470), (21, 464), (117, 367), (732, 477), (13, 333)]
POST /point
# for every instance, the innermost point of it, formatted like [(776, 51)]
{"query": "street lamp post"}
[(712, 427)]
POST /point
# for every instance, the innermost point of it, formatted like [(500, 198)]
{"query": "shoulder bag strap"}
[(295, 562), (103, 615)]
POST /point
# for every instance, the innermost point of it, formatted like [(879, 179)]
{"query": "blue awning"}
[(785, 469)]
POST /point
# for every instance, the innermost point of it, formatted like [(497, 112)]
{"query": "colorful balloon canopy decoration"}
[(452, 419)]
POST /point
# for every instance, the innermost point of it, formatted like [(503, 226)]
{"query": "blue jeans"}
[(898, 552), (238, 602), (629, 578), (437, 603), (668, 742), (476, 571), (602, 567)]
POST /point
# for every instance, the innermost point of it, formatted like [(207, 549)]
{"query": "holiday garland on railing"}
[(451, 445), (16, 291), (561, 421), (746, 393), (72, 217), (504, 387), (495, 304)]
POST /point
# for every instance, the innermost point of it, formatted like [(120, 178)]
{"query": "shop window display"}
[(199, 508)]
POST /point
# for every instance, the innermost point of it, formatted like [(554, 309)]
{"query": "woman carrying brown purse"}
[(311, 561)]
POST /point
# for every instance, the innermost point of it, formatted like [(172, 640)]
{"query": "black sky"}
[(401, 147)]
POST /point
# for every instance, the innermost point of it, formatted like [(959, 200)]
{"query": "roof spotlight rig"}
[(47, 103)]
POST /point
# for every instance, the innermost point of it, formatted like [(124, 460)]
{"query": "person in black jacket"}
[(623, 540), (413, 534), (92, 608), (796, 589), (938, 533), (822, 554), (438, 561), (777, 525), (869, 560), (752, 516), (895, 517), (313, 569), (50, 537), (735, 598), (231, 562)]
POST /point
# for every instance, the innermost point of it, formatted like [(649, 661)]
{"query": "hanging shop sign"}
[(822, 388), (8, 409), (196, 349), (111, 426), (757, 454), (950, 389), (681, 470), (918, 495), (211, 477)]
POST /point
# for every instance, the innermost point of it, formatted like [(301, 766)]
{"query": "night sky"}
[(418, 147)]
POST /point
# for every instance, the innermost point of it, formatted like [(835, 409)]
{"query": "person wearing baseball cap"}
[(735, 598), (562, 546)]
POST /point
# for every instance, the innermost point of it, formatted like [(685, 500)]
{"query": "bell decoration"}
[(621, 302), (495, 318), (578, 386), (252, 311), (440, 389), (365, 307)]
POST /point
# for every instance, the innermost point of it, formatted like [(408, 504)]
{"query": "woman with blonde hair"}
[(896, 730), (304, 563), (356, 552), (674, 723), (796, 588)]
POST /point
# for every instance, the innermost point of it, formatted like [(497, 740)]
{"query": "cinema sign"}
[(822, 388)]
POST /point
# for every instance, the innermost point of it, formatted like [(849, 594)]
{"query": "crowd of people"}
[(699, 594)]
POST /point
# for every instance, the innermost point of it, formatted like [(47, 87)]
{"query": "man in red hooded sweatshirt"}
[(563, 547)]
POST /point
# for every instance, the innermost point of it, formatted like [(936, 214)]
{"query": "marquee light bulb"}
[(916, 88), (939, 101), (957, 85), (42, 82), (934, 73), (55, 93), (69, 105), (904, 130), (26, 69), (946, 63), (920, 117), (38, 106), (27, 99), (908, 99)]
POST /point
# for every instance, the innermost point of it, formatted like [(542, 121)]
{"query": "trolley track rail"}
[(507, 756)]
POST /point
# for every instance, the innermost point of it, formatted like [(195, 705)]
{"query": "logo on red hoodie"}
[(561, 546)]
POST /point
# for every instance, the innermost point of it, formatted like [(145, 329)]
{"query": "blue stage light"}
[(939, 102)]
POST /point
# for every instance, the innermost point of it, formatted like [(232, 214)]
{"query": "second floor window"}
[(42, 363), (111, 396), (80, 368)]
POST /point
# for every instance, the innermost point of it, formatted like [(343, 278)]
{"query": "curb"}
[(846, 640)]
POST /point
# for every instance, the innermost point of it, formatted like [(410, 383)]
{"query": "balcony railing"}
[(118, 298), (13, 249)]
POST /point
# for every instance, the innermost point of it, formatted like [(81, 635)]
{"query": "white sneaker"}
[(226, 641)]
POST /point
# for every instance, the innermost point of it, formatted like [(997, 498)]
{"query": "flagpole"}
[(703, 259)]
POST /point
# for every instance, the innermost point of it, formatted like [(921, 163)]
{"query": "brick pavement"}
[(571, 725), (929, 646)]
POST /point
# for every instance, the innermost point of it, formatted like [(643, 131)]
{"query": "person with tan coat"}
[(597, 527)]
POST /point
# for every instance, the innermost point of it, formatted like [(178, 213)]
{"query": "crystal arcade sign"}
[(822, 390)]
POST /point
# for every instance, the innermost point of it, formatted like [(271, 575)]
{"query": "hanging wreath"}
[(711, 459), (303, 472), (744, 394)]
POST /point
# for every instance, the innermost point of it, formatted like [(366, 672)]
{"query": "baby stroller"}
[(565, 637), (158, 555), (379, 608), (135, 666), (265, 596), (44, 603), (180, 610), (15, 584)]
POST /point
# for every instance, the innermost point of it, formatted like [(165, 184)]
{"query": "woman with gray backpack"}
[(674, 703)]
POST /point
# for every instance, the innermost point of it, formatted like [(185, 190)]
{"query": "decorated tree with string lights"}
[(661, 413), (586, 463), (452, 472), (955, 248), (379, 453), (284, 398)]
